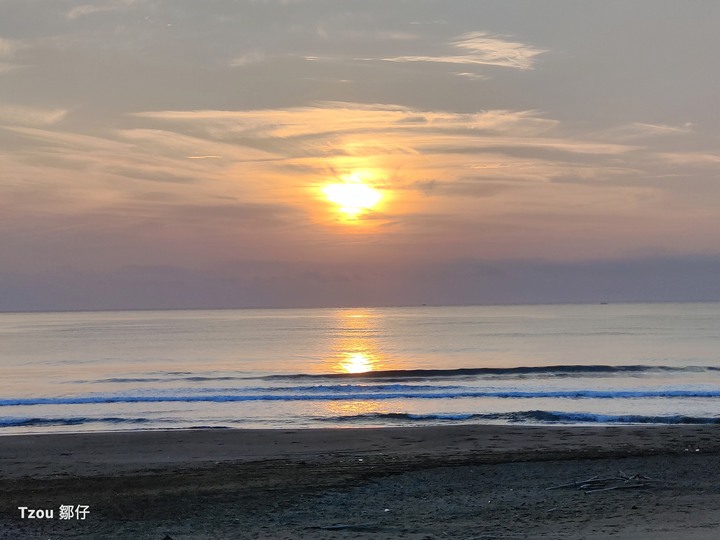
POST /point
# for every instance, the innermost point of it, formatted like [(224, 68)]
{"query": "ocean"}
[(297, 368)]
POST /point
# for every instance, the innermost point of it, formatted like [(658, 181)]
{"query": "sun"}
[(353, 196), (352, 199)]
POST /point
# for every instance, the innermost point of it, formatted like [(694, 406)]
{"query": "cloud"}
[(471, 76), (504, 179), (30, 116), (328, 117), (691, 158), (8, 47), (179, 145), (249, 58), (641, 130), (481, 48), (255, 215), (520, 164), (146, 173), (89, 9), (464, 187), (5, 67), (329, 136), (280, 283), (68, 140), (376, 35)]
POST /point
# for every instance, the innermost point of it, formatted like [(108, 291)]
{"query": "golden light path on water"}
[(355, 347), (354, 350)]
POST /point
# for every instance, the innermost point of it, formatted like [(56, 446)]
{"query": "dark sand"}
[(416, 483)]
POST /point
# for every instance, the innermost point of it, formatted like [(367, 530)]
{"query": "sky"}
[(178, 154)]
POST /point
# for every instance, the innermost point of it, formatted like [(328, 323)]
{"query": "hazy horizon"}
[(159, 154), (358, 307)]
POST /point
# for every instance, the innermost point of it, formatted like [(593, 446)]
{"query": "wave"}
[(519, 417), (556, 370), (194, 378), (313, 389), (501, 394), (71, 421), (404, 374), (545, 417), (343, 388), (406, 416)]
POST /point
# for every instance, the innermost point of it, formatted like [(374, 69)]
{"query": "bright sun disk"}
[(352, 198)]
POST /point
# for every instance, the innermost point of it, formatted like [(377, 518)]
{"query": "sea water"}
[(280, 368)]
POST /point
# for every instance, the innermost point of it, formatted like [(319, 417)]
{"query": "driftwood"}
[(622, 486), (575, 483), (610, 483)]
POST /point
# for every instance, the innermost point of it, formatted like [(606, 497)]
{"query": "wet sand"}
[(417, 483)]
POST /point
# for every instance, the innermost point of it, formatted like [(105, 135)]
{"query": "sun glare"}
[(357, 363), (353, 197)]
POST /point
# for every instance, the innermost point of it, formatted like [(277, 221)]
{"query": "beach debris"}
[(597, 484)]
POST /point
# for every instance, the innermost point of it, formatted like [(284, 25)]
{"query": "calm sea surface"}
[(631, 363)]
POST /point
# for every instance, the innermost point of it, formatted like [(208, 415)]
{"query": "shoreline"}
[(434, 482)]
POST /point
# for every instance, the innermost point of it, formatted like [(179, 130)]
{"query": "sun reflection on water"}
[(354, 408), (355, 348), (357, 363)]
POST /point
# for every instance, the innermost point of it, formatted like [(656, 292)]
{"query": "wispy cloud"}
[(249, 58), (30, 116), (483, 49), (471, 76), (329, 116), (89, 9), (5, 67), (378, 35), (641, 130), (67, 140), (183, 146), (515, 166), (8, 47), (455, 158), (691, 158), (362, 129)]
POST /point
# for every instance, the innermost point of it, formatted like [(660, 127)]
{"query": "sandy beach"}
[(415, 483)]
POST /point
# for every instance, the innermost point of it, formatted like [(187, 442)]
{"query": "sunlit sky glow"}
[(175, 153)]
